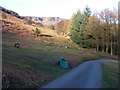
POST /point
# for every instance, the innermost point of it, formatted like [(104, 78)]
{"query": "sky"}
[(56, 8)]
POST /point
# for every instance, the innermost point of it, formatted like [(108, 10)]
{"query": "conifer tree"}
[(79, 22)]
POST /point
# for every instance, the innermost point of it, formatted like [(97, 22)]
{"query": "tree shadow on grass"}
[(46, 35)]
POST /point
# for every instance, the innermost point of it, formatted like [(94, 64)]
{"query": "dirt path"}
[(86, 75)]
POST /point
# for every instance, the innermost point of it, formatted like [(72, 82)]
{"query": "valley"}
[(34, 64)]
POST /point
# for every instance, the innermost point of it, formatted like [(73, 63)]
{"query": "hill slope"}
[(34, 64), (14, 27)]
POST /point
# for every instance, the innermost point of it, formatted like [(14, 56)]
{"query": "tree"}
[(76, 28), (63, 27), (79, 22), (37, 32), (113, 31), (103, 29), (109, 21), (94, 29)]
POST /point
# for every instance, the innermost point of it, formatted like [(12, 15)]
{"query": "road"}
[(86, 75)]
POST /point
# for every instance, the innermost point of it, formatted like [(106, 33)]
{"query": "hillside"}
[(34, 64), (10, 12), (20, 27), (14, 27), (63, 27)]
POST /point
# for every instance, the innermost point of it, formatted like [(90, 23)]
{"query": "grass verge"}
[(111, 75)]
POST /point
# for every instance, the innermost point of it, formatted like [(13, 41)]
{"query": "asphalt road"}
[(86, 75)]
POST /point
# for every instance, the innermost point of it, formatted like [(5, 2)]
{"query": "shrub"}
[(52, 27), (37, 32), (30, 22), (4, 16)]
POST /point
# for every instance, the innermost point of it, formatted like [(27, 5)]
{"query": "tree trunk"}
[(103, 46), (97, 45), (106, 49), (111, 49)]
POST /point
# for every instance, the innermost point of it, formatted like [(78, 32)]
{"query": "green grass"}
[(40, 56), (110, 75), (43, 56)]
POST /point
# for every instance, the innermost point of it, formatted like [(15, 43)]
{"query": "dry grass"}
[(26, 78)]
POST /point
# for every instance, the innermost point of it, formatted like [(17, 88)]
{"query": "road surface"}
[(86, 75)]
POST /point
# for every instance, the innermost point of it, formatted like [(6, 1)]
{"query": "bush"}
[(30, 22), (37, 32), (4, 16), (40, 24), (52, 27)]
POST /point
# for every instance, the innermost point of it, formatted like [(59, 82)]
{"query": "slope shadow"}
[(46, 35)]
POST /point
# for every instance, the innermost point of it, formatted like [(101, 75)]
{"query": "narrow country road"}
[(86, 75)]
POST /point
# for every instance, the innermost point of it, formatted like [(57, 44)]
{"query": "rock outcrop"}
[(46, 21)]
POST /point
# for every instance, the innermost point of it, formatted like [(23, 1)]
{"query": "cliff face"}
[(46, 21)]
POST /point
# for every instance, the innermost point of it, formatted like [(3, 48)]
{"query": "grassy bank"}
[(34, 64), (110, 75)]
